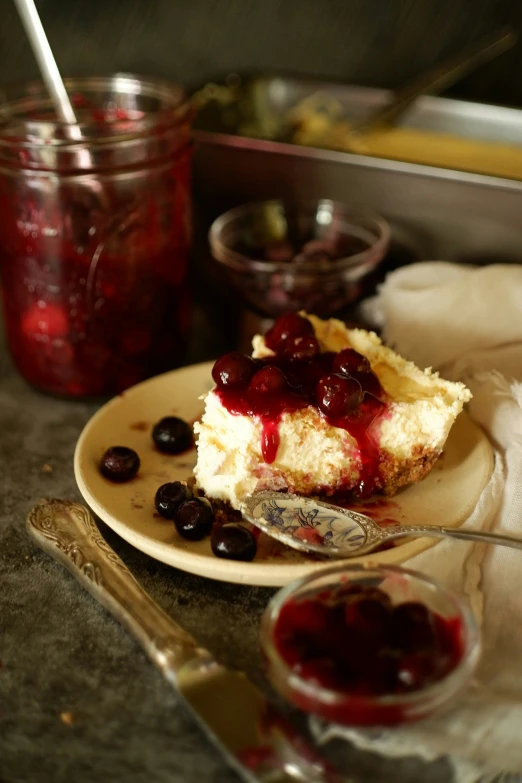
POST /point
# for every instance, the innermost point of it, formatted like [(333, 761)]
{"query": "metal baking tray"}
[(434, 212)]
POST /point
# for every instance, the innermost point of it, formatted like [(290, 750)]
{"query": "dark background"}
[(369, 42)]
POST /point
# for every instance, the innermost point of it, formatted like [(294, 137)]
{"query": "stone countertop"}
[(79, 700)]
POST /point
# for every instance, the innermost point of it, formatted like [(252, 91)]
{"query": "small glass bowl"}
[(273, 287), (355, 710)]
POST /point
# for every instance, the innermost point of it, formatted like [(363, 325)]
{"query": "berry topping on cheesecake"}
[(320, 409)]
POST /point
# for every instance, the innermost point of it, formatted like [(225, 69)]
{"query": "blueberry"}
[(119, 463), (301, 347), (269, 380), (172, 435), (233, 370), (338, 395), (194, 519), (169, 498), (287, 327), (349, 361), (234, 542)]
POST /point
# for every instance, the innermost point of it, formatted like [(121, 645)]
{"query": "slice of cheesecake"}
[(319, 409)]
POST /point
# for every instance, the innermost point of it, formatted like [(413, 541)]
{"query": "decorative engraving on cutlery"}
[(312, 525), (69, 529), (255, 738), (61, 523)]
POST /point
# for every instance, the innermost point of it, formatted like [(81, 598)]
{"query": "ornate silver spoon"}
[(314, 526)]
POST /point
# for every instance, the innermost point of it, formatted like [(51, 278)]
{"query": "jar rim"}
[(173, 108)]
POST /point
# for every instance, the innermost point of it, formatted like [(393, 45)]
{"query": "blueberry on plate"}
[(233, 542), (119, 463), (194, 519), (169, 498), (172, 435)]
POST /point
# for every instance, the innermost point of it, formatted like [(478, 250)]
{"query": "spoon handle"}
[(449, 532), (439, 78)]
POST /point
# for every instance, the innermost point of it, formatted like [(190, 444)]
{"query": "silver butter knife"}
[(258, 741)]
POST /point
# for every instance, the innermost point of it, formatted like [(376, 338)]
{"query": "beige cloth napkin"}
[(466, 322)]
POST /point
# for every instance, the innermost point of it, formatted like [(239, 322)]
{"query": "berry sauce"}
[(95, 289), (346, 394), (355, 642)]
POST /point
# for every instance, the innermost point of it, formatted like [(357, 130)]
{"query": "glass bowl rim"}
[(231, 258), (453, 680)]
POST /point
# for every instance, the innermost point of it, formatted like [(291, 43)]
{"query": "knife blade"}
[(257, 740)]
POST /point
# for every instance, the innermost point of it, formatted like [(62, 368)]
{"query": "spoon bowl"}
[(312, 525)]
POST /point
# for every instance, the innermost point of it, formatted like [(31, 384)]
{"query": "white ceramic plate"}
[(446, 496)]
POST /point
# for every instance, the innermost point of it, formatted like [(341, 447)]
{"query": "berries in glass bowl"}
[(369, 646), (283, 257)]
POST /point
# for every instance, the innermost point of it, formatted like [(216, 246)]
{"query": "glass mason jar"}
[(95, 233)]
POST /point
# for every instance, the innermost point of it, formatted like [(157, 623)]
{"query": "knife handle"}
[(67, 531)]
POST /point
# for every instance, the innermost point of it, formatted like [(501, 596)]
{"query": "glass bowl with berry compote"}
[(95, 233), (283, 257), (369, 646)]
